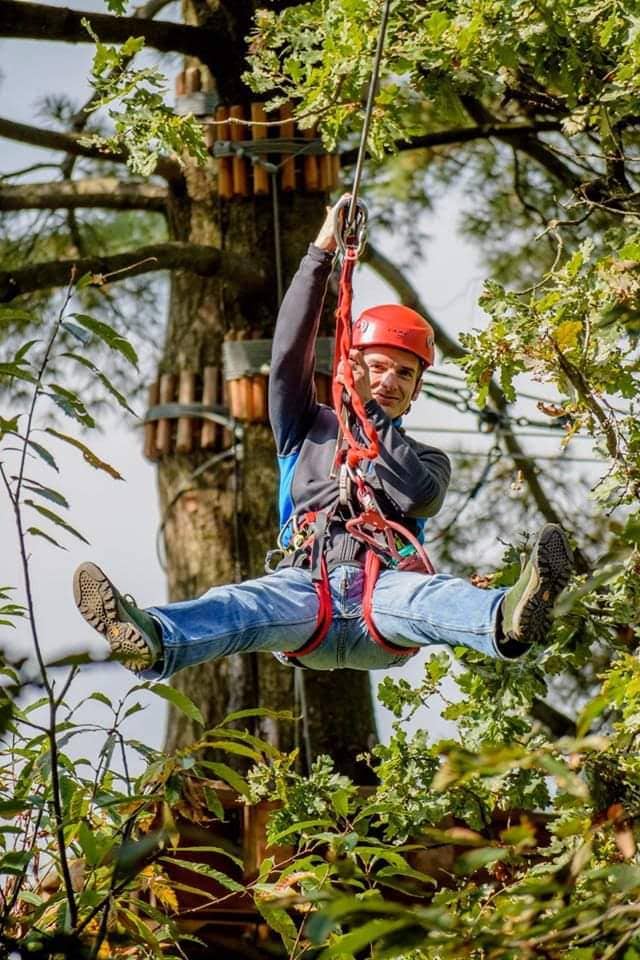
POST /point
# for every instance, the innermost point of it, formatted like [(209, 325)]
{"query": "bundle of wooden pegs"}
[(250, 146), (237, 393)]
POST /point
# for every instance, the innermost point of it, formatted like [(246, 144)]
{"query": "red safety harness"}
[(369, 525)]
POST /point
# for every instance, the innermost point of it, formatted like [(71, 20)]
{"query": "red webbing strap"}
[(356, 451), (371, 571), (324, 618), (365, 526), (317, 521)]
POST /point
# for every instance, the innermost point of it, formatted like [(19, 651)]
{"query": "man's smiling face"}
[(395, 377)]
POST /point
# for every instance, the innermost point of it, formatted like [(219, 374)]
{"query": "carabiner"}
[(351, 238)]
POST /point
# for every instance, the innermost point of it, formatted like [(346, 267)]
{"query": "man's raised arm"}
[(292, 399)]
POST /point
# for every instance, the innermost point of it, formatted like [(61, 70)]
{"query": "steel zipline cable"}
[(368, 113)]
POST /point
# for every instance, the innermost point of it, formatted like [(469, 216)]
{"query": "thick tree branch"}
[(200, 259), (451, 348), (442, 138), (67, 142), (107, 192), (39, 21), (410, 297), (525, 141)]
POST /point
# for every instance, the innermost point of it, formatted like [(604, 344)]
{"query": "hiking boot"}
[(133, 635), (528, 606)]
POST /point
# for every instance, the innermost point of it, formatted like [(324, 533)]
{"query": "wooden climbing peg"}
[(287, 132), (150, 449), (238, 164), (311, 172), (164, 429), (326, 171), (259, 398), (335, 163), (259, 132), (186, 394), (211, 397), (225, 177), (193, 80)]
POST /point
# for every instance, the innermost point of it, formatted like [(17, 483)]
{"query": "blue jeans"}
[(278, 613)]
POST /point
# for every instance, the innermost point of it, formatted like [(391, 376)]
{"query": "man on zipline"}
[(318, 605)]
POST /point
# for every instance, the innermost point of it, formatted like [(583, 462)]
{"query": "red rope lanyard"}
[(356, 451), (370, 524)]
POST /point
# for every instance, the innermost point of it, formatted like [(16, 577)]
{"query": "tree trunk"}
[(206, 543)]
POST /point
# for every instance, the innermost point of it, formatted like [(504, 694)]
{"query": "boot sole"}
[(95, 598), (552, 568)]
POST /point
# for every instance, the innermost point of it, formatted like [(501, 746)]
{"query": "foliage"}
[(488, 845), (92, 859), (319, 55), (144, 126), (505, 841)]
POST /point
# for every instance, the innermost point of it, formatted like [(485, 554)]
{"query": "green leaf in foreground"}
[(106, 383), (37, 532), (226, 773), (368, 933), (44, 454), (53, 495), (179, 700), (8, 426), (50, 515), (109, 336), (476, 859), (87, 454)]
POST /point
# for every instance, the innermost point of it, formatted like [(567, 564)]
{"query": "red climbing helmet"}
[(393, 325)]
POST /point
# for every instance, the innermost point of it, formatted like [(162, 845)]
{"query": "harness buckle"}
[(344, 486), (273, 558)]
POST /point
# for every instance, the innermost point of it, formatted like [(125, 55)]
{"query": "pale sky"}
[(120, 519)]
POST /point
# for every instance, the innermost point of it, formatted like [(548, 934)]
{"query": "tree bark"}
[(70, 143), (457, 135), (191, 258), (106, 192)]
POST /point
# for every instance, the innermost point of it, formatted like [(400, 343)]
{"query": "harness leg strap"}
[(320, 578), (371, 571)]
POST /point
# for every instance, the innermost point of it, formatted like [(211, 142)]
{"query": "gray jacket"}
[(409, 479)]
